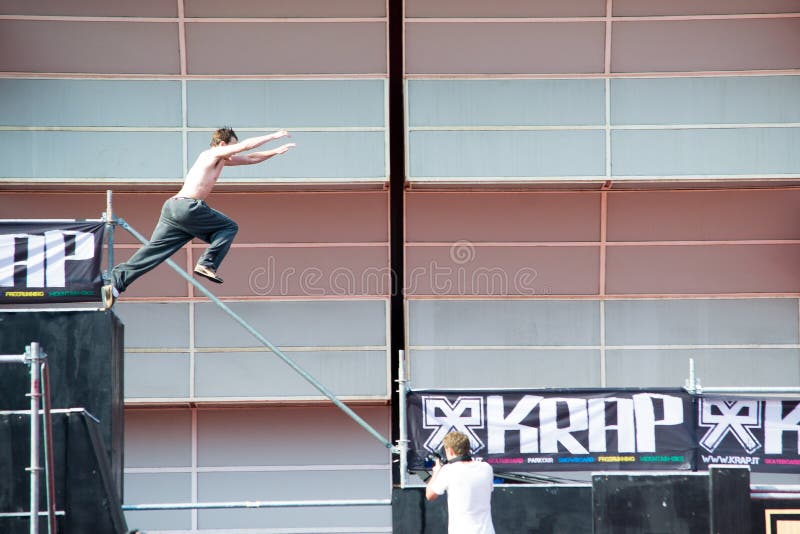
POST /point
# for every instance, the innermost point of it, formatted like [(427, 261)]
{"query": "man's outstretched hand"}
[(283, 148)]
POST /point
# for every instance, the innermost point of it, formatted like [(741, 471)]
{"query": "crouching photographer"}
[(468, 484)]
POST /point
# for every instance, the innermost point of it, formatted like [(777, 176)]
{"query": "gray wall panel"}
[(79, 155), (280, 8), (158, 438), (262, 374), (701, 45), (705, 152), (344, 520), (714, 367), (503, 8), (726, 100), (505, 102), (296, 485), (504, 322), (327, 48), (299, 324), (498, 154), (286, 103), (499, 47), (156, 375), (93, 8), (631, 8), (143, 488), (81, 46), (276, 436), (701, 322), (324, 155), (90, 102), (150, 325), (466, 369)]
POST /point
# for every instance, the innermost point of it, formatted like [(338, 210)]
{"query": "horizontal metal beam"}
[(743, 390), (775, 496), (254, 504), (27, 514), (775, 488)]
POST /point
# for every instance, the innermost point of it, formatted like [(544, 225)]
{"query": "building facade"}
[(590, 194)]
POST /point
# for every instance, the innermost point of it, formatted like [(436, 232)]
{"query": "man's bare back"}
[(203, 176)]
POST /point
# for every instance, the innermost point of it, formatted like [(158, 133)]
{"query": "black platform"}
[(85, 491), (615, 503), (85, 355), (517, 510)]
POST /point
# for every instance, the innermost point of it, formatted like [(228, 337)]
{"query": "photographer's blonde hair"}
[(458, 442)]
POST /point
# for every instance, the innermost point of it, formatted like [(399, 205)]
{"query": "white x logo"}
[(724, 417), (463, 415)]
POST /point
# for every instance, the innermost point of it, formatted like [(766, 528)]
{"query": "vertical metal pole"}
[(33, 352), (110, 232), (690, 382), (402, 443), (49, 466)]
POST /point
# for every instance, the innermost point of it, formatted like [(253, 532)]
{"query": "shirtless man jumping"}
[(186, 215)]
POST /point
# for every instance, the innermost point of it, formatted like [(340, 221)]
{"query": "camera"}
[(430, 459)]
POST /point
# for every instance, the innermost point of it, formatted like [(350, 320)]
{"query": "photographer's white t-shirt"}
[(469, 488)]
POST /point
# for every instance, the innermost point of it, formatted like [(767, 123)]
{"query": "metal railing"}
[(774, 492), (39, 394), (112, 221), (253, 504), (264, 341)]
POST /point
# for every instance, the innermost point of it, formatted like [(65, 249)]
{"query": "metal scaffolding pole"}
[(402, 443), (108, 217), (35, 358), (693, 387), (49, 465), (35, 469), (253, 504), (264, 341), (764, 390)]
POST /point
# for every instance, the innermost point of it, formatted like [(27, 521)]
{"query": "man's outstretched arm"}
[(225, 151), (257, 157)]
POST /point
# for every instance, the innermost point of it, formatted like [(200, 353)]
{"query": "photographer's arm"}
[(430, 493)]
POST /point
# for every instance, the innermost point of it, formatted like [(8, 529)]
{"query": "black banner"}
[(763, 434), (44, 261), (602, 430), (557, 430)]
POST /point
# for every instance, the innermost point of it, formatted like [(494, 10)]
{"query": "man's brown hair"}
[(223, 134), (458, 442)]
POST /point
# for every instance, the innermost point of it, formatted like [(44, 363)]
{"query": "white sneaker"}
[(109, 294), (207, 272)]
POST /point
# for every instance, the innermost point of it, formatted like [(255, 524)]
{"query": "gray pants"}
[(181, 220)]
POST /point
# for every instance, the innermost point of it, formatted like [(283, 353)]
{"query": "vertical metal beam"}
[(35, 359), (692, 384), (109, 218), (49, 465), (35, 394), (402, 443), (397, 191), (264, 341)]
